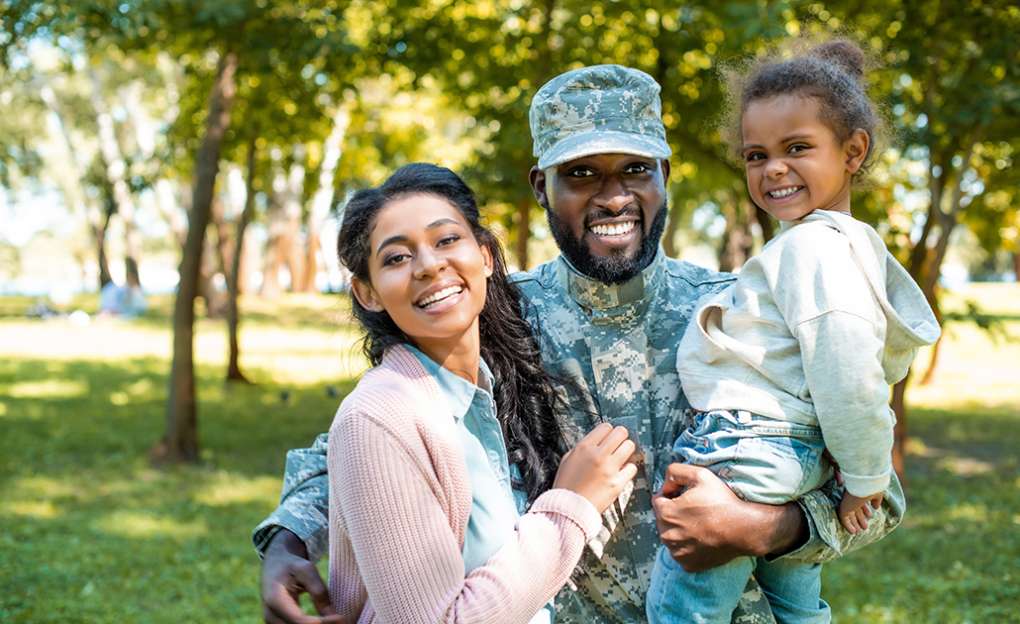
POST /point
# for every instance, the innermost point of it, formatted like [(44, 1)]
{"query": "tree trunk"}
[(738, 242), (899, 459), (929, 374), (1016, 266), (523, 233), (672, 225), (98, 220), (233, 275), (180, 442), (323, 199), (116, 172), (765, 222)]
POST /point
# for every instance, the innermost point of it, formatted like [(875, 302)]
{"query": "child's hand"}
[(854, 511)]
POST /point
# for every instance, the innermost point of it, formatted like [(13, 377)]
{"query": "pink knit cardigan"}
[(399, 500)]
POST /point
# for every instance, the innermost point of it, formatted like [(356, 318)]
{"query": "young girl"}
[(797, 356), (423, 523)]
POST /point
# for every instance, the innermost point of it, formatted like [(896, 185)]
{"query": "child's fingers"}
[(862, 520), (850, 523), (866, 510)]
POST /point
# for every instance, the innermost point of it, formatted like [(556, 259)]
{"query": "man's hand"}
[(704, 524), (286, 574)]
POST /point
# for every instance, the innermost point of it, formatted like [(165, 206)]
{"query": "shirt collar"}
[(459, 392), (595, 295)]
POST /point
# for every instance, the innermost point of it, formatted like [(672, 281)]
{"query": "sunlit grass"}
[(93, 533)]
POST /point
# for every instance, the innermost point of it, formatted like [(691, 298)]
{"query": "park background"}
[(212, 145)]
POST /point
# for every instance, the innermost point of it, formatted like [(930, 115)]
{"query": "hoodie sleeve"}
[(842, 358)]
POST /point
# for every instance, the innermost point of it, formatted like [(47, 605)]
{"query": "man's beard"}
[(614, 269)]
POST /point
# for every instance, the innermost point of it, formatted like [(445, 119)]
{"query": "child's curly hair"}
[(832, 72)]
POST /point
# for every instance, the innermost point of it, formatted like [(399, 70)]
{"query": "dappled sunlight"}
[(231, 489), (3, 409), (47, 389), (139, 524), (39, 510), (965, 466), (968, 512), (41, 488)]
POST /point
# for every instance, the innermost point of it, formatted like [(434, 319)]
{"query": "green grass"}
[(92, 533)]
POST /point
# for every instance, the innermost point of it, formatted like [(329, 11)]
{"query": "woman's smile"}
[(426, 270)]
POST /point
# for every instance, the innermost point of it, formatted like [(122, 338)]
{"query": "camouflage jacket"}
[(616, 345)]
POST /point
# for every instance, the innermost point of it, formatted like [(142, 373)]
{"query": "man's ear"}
[(365, 295), (665, 170), (856, 149), (537, 178)]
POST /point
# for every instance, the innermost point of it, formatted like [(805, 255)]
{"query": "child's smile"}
[(794, 162)]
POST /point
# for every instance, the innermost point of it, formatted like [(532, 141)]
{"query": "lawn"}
[(92, 533)]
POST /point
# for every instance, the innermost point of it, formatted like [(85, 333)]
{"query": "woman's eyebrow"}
[(400, 238)]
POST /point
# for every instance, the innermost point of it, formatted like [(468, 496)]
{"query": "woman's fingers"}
[(625, 452), (596, 435), (614, 439)]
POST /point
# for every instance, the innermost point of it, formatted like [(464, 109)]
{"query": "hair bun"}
[(844, 53)]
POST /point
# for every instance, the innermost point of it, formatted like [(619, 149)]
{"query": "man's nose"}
[(614, 194)]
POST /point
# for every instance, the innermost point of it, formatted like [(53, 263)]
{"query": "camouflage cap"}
[(602, 109)]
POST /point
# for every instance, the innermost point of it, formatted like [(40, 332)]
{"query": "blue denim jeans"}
[(762, 460)]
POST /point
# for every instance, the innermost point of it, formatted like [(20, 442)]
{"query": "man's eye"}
[(638, 168), (581, 172)]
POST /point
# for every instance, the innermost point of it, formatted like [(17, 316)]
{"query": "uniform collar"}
[(459, 392), (595, 295)]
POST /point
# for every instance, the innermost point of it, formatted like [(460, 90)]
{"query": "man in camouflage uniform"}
[(608, 315)]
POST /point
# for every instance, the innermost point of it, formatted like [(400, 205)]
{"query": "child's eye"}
[(753, 156), (797, 147)]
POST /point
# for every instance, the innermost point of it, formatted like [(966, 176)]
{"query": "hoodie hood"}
[(910, 321)]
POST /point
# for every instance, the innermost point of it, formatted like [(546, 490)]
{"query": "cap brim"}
[(603, 142)]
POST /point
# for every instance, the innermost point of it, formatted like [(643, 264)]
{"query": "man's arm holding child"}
[(293, 537)]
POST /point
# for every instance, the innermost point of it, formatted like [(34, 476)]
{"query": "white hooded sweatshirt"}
[(814, 331)]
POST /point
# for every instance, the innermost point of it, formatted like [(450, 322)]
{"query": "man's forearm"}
[(783, 528), (285, 541)]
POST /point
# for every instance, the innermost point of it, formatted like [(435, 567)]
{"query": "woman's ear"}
[(487, 260), (856, 148), (365, 295)]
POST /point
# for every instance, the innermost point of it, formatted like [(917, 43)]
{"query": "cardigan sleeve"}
[(407, 555)]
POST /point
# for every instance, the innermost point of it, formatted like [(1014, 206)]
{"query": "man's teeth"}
[(613, 229), (439, 295), (786, 192)]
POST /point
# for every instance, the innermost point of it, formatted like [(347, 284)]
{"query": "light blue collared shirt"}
[(495, 506)]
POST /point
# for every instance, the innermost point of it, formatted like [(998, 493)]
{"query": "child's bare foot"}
[(854, 511)]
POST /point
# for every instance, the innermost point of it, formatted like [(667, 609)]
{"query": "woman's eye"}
[(448, 240), (394, 259)]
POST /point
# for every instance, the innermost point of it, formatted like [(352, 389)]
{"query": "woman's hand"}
[(599, 466)]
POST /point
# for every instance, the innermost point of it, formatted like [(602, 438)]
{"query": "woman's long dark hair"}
[(526, 401)]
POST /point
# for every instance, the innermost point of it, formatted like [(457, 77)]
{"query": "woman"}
[(423, 523)]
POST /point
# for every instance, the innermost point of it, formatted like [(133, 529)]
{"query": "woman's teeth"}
[(613, 229), (439, 295), (786, 192)]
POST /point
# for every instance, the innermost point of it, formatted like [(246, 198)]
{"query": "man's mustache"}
[(600, 214)]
